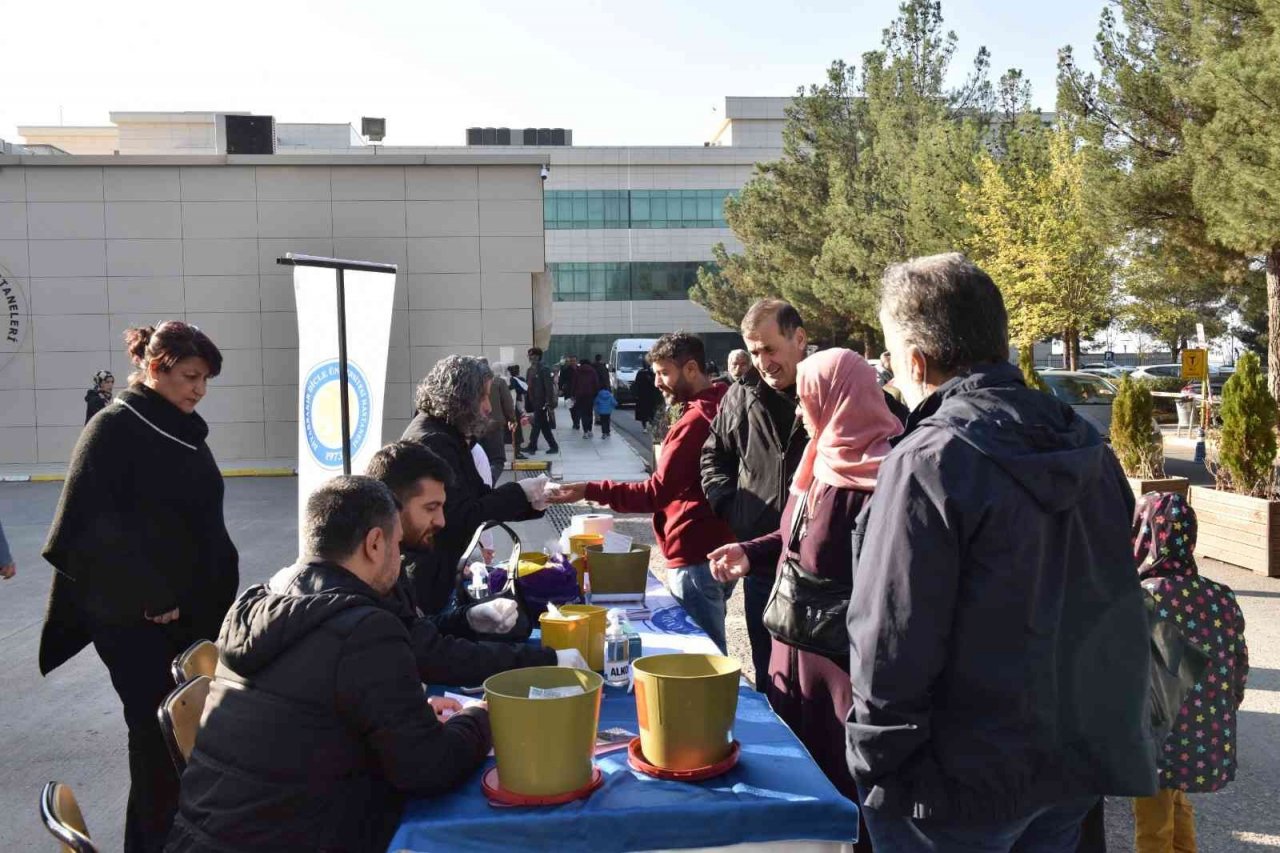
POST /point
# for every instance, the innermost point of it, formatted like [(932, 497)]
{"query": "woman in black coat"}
[(97, 397), (646, 395), (144, 564), (453, 410)]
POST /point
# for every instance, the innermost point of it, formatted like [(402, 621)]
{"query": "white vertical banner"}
[(369, 297)]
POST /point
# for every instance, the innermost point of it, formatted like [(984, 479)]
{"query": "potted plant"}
[(1137, 442), (1239, 516), (663, 419)]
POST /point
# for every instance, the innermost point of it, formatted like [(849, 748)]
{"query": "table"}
[(775, 799)]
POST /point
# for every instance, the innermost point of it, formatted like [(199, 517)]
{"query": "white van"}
[(625, 358)]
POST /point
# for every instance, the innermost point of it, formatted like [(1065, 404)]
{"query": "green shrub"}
[(1247, 441), (1027, 364), (1137, 446), (1161, 383)]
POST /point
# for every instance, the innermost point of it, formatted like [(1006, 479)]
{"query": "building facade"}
[(98, 244)]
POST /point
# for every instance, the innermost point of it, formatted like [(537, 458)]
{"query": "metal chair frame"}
[(55, 800)]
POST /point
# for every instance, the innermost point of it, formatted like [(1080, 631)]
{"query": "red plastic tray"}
[(637, 761), (499, 797)]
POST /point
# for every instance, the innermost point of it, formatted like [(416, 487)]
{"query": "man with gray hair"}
[(999, 648), (739, 364)]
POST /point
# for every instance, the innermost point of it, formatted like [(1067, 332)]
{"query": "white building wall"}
[(100, 248)]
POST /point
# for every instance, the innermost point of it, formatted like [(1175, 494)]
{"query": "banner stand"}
[(340, 266)]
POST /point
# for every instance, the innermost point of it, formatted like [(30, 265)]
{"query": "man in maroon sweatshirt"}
[(686, 528)]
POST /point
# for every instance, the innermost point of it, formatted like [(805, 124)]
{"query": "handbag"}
[(509, 589), (804, 610)]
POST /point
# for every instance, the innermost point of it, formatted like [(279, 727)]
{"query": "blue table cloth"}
[(775, 793)]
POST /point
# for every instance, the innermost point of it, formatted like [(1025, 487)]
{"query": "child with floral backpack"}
[(1199, 755)]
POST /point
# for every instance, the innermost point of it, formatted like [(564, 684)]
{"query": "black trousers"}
[(755, 595), (542, 426), (585, 405), (139, 656), (573, 411), (605, 423)]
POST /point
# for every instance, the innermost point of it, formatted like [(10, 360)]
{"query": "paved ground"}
[(68, 726)]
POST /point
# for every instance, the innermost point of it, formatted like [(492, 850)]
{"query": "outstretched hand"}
[(566, 493), (729, 562)]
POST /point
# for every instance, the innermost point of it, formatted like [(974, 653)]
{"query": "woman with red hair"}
[(849, 423)]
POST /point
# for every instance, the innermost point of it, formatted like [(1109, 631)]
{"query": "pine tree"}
[(1138, 448), (1247, 443)]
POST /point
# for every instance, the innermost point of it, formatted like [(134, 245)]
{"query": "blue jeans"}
[(703, 598), (1052, 829)]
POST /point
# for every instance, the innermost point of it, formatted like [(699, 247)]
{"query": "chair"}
[(180, 714), (201, 658), (61, 815)]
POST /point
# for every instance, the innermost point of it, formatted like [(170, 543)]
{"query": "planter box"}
[(1237, 529), (1177, 485)]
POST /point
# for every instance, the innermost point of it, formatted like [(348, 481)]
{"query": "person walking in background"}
[(453, 408), (519, 390), (143, 562), (602, 370), (739, 365), (646, 394), (586, 384), (605, 403), (1199, 756), (686, 528), (999, 648), (564, 381), (99, 395), (7, 566), (849, 425), (755, 445), (502, 420), (540, 402)]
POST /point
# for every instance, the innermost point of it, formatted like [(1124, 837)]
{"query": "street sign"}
[(1195, 364), (1109, 356)]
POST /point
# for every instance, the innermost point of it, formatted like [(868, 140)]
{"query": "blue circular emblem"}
[(674, 620), (322, 411)]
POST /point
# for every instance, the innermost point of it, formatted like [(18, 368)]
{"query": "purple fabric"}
[(557, 583)]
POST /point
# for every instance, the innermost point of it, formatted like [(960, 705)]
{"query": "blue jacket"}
[(605, 402)]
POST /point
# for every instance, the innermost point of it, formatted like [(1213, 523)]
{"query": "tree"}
[(1027, 364), (1236, 148), (1167, 296), (1033, 230), (872, 163), (1139, 449), (1247, 444)]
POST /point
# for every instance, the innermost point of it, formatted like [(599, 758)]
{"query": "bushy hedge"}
[(1139, 449), (1247, 442)]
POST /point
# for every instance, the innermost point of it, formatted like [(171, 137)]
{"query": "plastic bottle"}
[(586, 588), (617, 653), (479, 588)]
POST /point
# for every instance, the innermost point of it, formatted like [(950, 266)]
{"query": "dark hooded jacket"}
[(470, 502), (999, 645), (1199, 755), (139, 528), (94, 401), (316, 726)]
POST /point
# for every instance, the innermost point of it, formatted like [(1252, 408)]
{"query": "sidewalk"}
[(585, 459)]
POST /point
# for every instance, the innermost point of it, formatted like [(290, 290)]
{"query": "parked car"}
[(1158, 371), (1089, 395), (1112, 373)]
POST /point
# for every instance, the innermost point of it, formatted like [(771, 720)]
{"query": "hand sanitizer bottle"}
[(617, 654)]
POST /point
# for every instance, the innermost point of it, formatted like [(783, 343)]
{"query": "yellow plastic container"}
[(572, 631), (578, 542), (543, 746), (530, 562), (598, 619), (618, 574), (686, 704)]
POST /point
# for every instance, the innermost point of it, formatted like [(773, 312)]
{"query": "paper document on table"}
[(555, 692), (464, 701), (617, 543)]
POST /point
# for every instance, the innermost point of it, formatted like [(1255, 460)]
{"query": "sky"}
[(653, 72)]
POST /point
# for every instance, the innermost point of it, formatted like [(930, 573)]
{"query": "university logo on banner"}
[(13, 304), (322, 412)]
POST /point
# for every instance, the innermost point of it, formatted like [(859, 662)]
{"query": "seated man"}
[(316, 727), (419, 479)]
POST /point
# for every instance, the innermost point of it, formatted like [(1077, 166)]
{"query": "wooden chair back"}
[(180, 714), (201, 658), (61, 816)]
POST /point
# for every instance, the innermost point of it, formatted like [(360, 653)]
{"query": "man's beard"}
[(678, 394)]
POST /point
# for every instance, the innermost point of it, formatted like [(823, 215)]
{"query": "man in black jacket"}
[(754, 448), (540, 401), (316, 727), (443, 639), (999, 647)]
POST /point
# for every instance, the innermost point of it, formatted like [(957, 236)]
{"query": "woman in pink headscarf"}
[(849, 425)]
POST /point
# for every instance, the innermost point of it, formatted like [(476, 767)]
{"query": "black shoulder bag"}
[(804, 610), (524, 625)]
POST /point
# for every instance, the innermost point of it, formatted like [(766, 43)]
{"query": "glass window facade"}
[(564, 209), (623, 281)]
